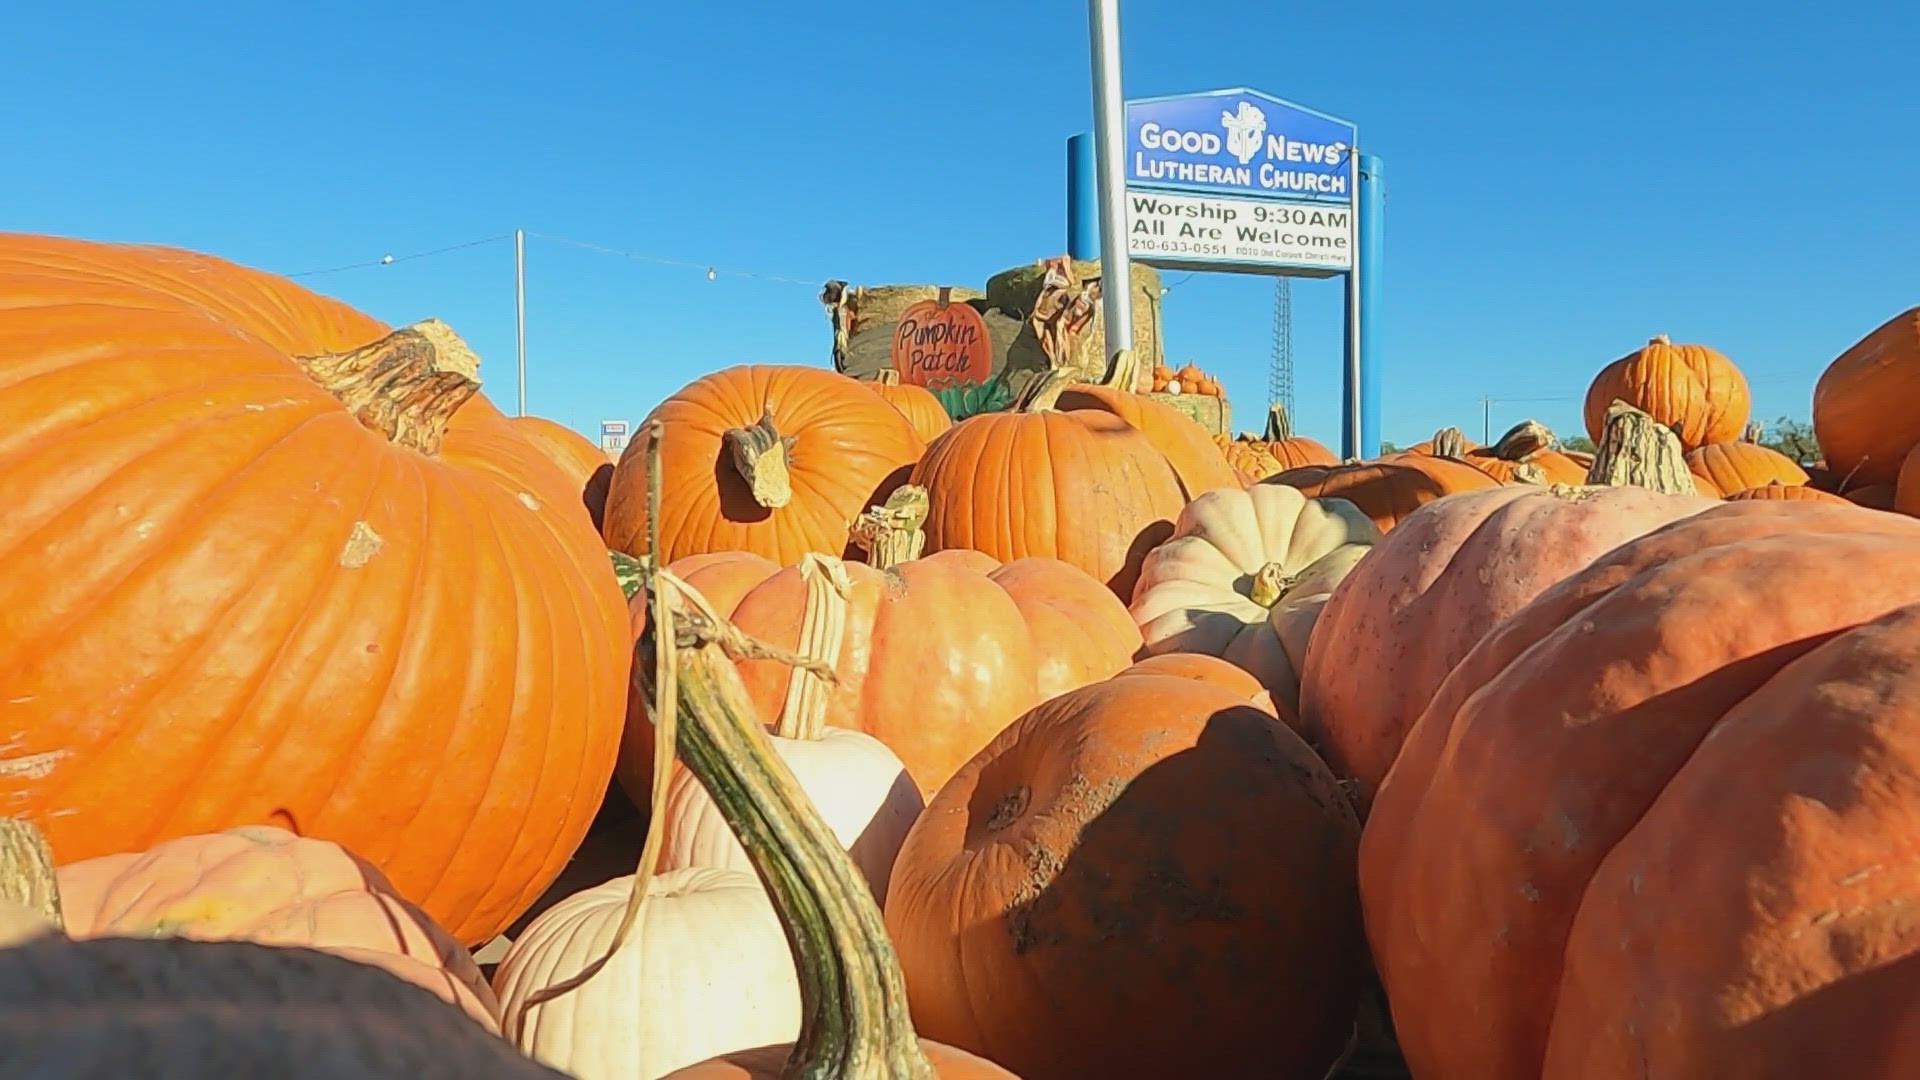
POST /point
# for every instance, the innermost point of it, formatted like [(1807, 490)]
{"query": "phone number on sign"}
[(1177, 247)]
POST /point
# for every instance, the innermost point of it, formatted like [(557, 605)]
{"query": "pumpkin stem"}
[(760, 457), (1124, 371), (406, 386), (1043, 392), (1753, 432), (1659, 339), (1636, 449), (1522, 441), (823, 629), (26, 869), (1270, 583), (855, 1023), (893, 533), (1450, 442), (1279, 428)]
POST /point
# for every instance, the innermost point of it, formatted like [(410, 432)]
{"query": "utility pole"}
[(1109, 151), (520, 309), (1486, 420)]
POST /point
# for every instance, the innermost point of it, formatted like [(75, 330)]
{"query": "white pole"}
[(1109, 141), (520, 308)]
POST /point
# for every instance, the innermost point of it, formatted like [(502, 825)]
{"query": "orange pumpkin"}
[(1692, 389), (259, 883), (1187, 446), (774, 459), (1276, 449), (1626, 847), (1389, 489), (259, 570), (1425, 595), (1779, 492), (924, 411), (1524, 454), (1866, 403), (1083, 486), (1906, 495), (1119, 812), (940, 652), (583, 462), (1873, 496), (1736, 466)]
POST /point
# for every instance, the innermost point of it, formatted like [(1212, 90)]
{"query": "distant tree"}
[(1388, 448), (1579, 444), (1793, 438)]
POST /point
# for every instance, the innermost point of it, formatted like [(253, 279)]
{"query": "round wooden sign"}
[(937, 343)]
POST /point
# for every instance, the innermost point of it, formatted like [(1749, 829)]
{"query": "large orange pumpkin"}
[(258, 570), (583, 462), (1727, 467), (259, 883), (940, 653), (774, 459), (1389, 489), (1083, 486), (1779, 492), (915, 402), (1082, 898), (1693, 389), (1866, 406), (1187, 446), (1548, 888), (1400, 620)]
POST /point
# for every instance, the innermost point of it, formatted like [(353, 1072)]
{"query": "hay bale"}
[(1014, 292), (1211, 413), (876, 304)]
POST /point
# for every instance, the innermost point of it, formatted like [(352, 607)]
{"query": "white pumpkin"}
[(706, 971), (1245, 575), (859, 786)]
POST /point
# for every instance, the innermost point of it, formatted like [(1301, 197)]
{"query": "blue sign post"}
[(1244, 182)]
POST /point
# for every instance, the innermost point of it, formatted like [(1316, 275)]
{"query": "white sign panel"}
[(613, 436), (1173, 229)]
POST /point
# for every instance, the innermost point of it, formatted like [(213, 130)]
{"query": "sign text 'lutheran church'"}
[(1239, 180)]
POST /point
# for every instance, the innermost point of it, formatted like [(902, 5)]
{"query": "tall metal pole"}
[(1109, 140), (520, 308), (1371, 227), (1083, 198)]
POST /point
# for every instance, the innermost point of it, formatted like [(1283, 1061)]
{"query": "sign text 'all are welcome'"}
[(1240, 180)]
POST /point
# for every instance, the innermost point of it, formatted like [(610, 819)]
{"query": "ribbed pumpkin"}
[(583, 462), (1866, 403), (1082, 899), (1276, 449), (1548, 887), (1187, 446), (259, 570), (917, 403), (774, 459), (1779, 492), (940, 653), (1082, 486), (1727, 467), (1693, 389), (1389, 489), (1426, 594), (258, 883), (1245, 576)]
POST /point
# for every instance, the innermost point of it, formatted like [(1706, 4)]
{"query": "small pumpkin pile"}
[(1187, 379), (1275, 450)]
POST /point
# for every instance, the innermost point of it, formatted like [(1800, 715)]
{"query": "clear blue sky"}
[(1559, 188)]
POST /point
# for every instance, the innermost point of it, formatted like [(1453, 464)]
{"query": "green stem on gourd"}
[(855, 1024), (1635, 449), (406, 386), (759, 454), (893, 532), (26, 869), (823, 630), (1270, 583)]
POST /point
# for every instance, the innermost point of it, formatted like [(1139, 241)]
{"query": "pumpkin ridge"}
[(322, 584)]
